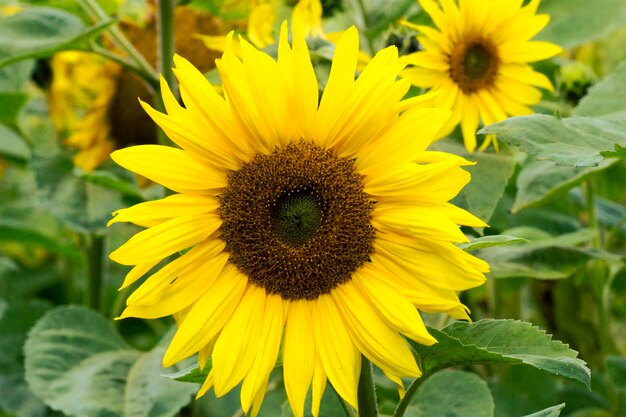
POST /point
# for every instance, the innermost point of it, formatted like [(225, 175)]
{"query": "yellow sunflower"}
[(80, 94), (478, 61), (321, 226)]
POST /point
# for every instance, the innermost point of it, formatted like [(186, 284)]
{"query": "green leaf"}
[(192, 374), (81, 205), (453, 394), (16, 319), (500, 341), (384, 13), (616, 371), (490, 241), (548, 412), (538, 181), (14, 78), (24, 234), (148, 393), (38, 32), (11, 144), (111, 181), (620, 152), (10, 105), (605, 99), (490, 176), (544, 257), (575, 141), (76, 363), (574, 22)]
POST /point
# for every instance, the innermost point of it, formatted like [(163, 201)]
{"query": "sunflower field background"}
[(535, 94)]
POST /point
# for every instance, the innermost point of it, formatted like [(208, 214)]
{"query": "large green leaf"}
[(453, 393), (538, 181), (574, 22), (500, 341), (11, 144), (77, 363), (16, 319), (37, 32), (490, 176), (576, 141), (606, 98)]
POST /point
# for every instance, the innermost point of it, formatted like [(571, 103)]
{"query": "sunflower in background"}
[(477, 60), (306, 20), (93, 101), (318, 227)]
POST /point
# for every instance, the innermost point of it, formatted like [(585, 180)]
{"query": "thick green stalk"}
[(366, 394)]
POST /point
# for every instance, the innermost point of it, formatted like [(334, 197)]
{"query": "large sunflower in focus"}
[(322, 226), (478, 60)]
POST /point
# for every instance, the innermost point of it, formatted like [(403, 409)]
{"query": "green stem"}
[(165, 47), (366, 394), (143, 67), (124, 63), (404, 402), (366, 25), (592, 220), (96, 264)]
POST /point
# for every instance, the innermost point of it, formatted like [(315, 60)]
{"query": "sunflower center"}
[(474, 64), (296, 217), (297, 222)]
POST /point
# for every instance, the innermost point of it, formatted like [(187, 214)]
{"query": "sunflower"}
[(478, 61), (322, 226), (80, 95), (306, 19)]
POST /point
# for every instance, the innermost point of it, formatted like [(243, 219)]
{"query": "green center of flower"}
[(474, 64), (297, 221), (296, 217)]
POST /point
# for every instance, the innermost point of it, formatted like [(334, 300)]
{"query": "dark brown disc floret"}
[(297, 221), (474, 64)]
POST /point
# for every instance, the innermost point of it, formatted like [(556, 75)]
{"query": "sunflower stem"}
[(96, 266), (165, 47), (404, 402), (366, 394), (364, 29), (140, 65)]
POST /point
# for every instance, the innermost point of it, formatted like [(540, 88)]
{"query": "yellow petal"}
[(379, 342), (517, 51), (171, 167), (156, 212), (338, 355), (267, 347), (401, 142), (208, 315), (298, 355), (178, 294), (137, 272), (237, 345), (164, 239), (393, 307)]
